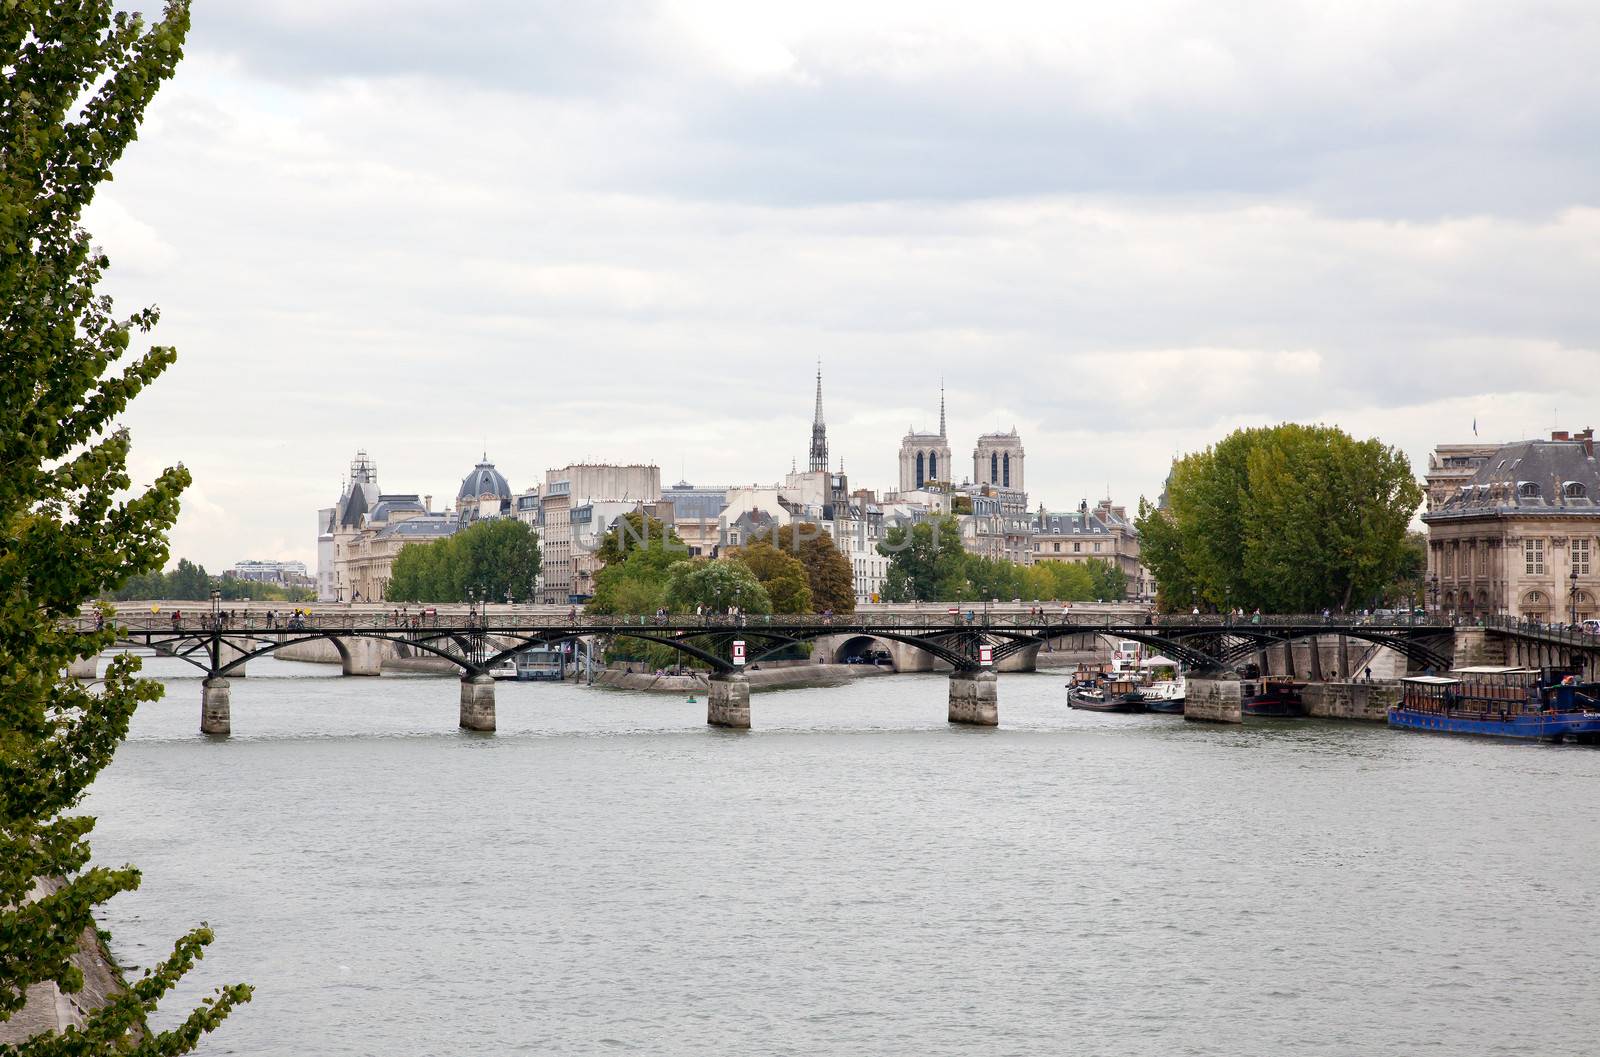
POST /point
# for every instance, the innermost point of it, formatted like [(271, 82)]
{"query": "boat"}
[(1539, 704), (1106, 695), (1165, 697), (506, 669), (1273, 699)]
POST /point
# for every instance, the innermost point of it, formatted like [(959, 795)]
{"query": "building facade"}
[(997, 470), (566, 575), (1520, 536), (1104, 532)]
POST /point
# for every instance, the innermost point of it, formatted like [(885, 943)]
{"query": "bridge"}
[(972, 640)]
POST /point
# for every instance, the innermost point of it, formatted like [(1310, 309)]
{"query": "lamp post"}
[(216, 606), (1572, 595)]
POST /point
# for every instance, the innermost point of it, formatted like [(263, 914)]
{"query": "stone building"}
[(1452, 465), (1105, 532), (1519, 535), (925, 457), (566, 564), (997, 470), (484, 493)]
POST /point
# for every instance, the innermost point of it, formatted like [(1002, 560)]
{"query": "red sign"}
[(738, 651), (986, 656)]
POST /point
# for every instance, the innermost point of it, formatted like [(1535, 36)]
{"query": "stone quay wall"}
[(1368, 702), (1213, 701)]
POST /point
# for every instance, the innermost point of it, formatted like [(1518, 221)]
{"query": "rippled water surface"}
[(607, 875)]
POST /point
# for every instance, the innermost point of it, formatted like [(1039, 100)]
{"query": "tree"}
[(1287, 518), (492, 560), (828, 572), (782, 576), (635, 530), (634, 578), (926, 562), (1110, 583), (75, 80), (717, 584)]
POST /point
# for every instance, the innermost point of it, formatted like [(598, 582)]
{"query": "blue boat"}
[(1537, 704)]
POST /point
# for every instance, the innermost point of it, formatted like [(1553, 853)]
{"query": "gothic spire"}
[(819, 432), (941, 407)]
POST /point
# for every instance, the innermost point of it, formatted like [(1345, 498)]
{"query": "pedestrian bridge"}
[(973, 641)]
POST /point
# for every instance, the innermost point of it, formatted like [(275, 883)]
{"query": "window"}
[(1058, 548), (920, 466), (994, 467), (1077, 548), (1575, 490), (1097, 548), (1528, 489), (1449, 562), (1005, 471), (1533, 557), (933, 466), (1580, 557), (1483, 560)]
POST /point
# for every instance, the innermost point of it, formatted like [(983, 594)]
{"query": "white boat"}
[(506, 669)]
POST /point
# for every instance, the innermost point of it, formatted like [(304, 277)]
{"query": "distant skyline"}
[(625, 232)]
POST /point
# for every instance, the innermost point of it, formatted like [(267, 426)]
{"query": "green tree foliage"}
[(1408, 588), (74, 83), (1110, 583), (491, 560), (1288, 518), (633, 580), (926, 562), (717, 584), (828, 572), (189, 583), (780, 574)]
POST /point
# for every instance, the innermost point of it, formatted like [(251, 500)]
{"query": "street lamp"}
[(1572, 594)]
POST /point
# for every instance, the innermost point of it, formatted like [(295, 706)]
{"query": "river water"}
[(607, 875)]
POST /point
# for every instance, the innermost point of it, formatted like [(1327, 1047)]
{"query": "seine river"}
[(606, 875)]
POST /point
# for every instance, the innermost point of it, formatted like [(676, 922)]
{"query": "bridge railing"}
[(974, 617), (1567, 634)]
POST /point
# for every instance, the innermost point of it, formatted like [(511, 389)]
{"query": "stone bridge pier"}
[(477, 702), (975, 697), (728, 700), (84, 669), (361, 656), (216, 716)]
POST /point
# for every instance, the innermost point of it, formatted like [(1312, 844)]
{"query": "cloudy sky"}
[(619, 231)]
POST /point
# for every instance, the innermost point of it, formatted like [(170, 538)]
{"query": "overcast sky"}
[(616, 231)]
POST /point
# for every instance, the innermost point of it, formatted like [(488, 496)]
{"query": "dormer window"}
[(1575, 490), (1527, 489)]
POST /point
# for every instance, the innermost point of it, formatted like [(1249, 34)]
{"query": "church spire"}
[(819, 432), (941, 407)]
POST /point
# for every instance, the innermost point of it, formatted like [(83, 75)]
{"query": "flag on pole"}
[(1474, 425)]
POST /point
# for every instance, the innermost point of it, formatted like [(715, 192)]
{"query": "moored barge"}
[(1538, 704)]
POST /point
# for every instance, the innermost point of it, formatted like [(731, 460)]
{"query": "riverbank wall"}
[(1365, 702), (763, 678), (48, 1008)]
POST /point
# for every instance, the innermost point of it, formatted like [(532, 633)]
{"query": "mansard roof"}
[(1552, 478)]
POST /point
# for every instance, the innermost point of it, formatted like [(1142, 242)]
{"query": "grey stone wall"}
[(1368, 702), (975, 698), (1213, 700)]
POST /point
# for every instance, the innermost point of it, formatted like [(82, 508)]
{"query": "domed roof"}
[(484, 480)]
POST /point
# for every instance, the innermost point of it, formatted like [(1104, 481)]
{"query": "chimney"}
[(1587, 436), (427, 503), (1560, 434)]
